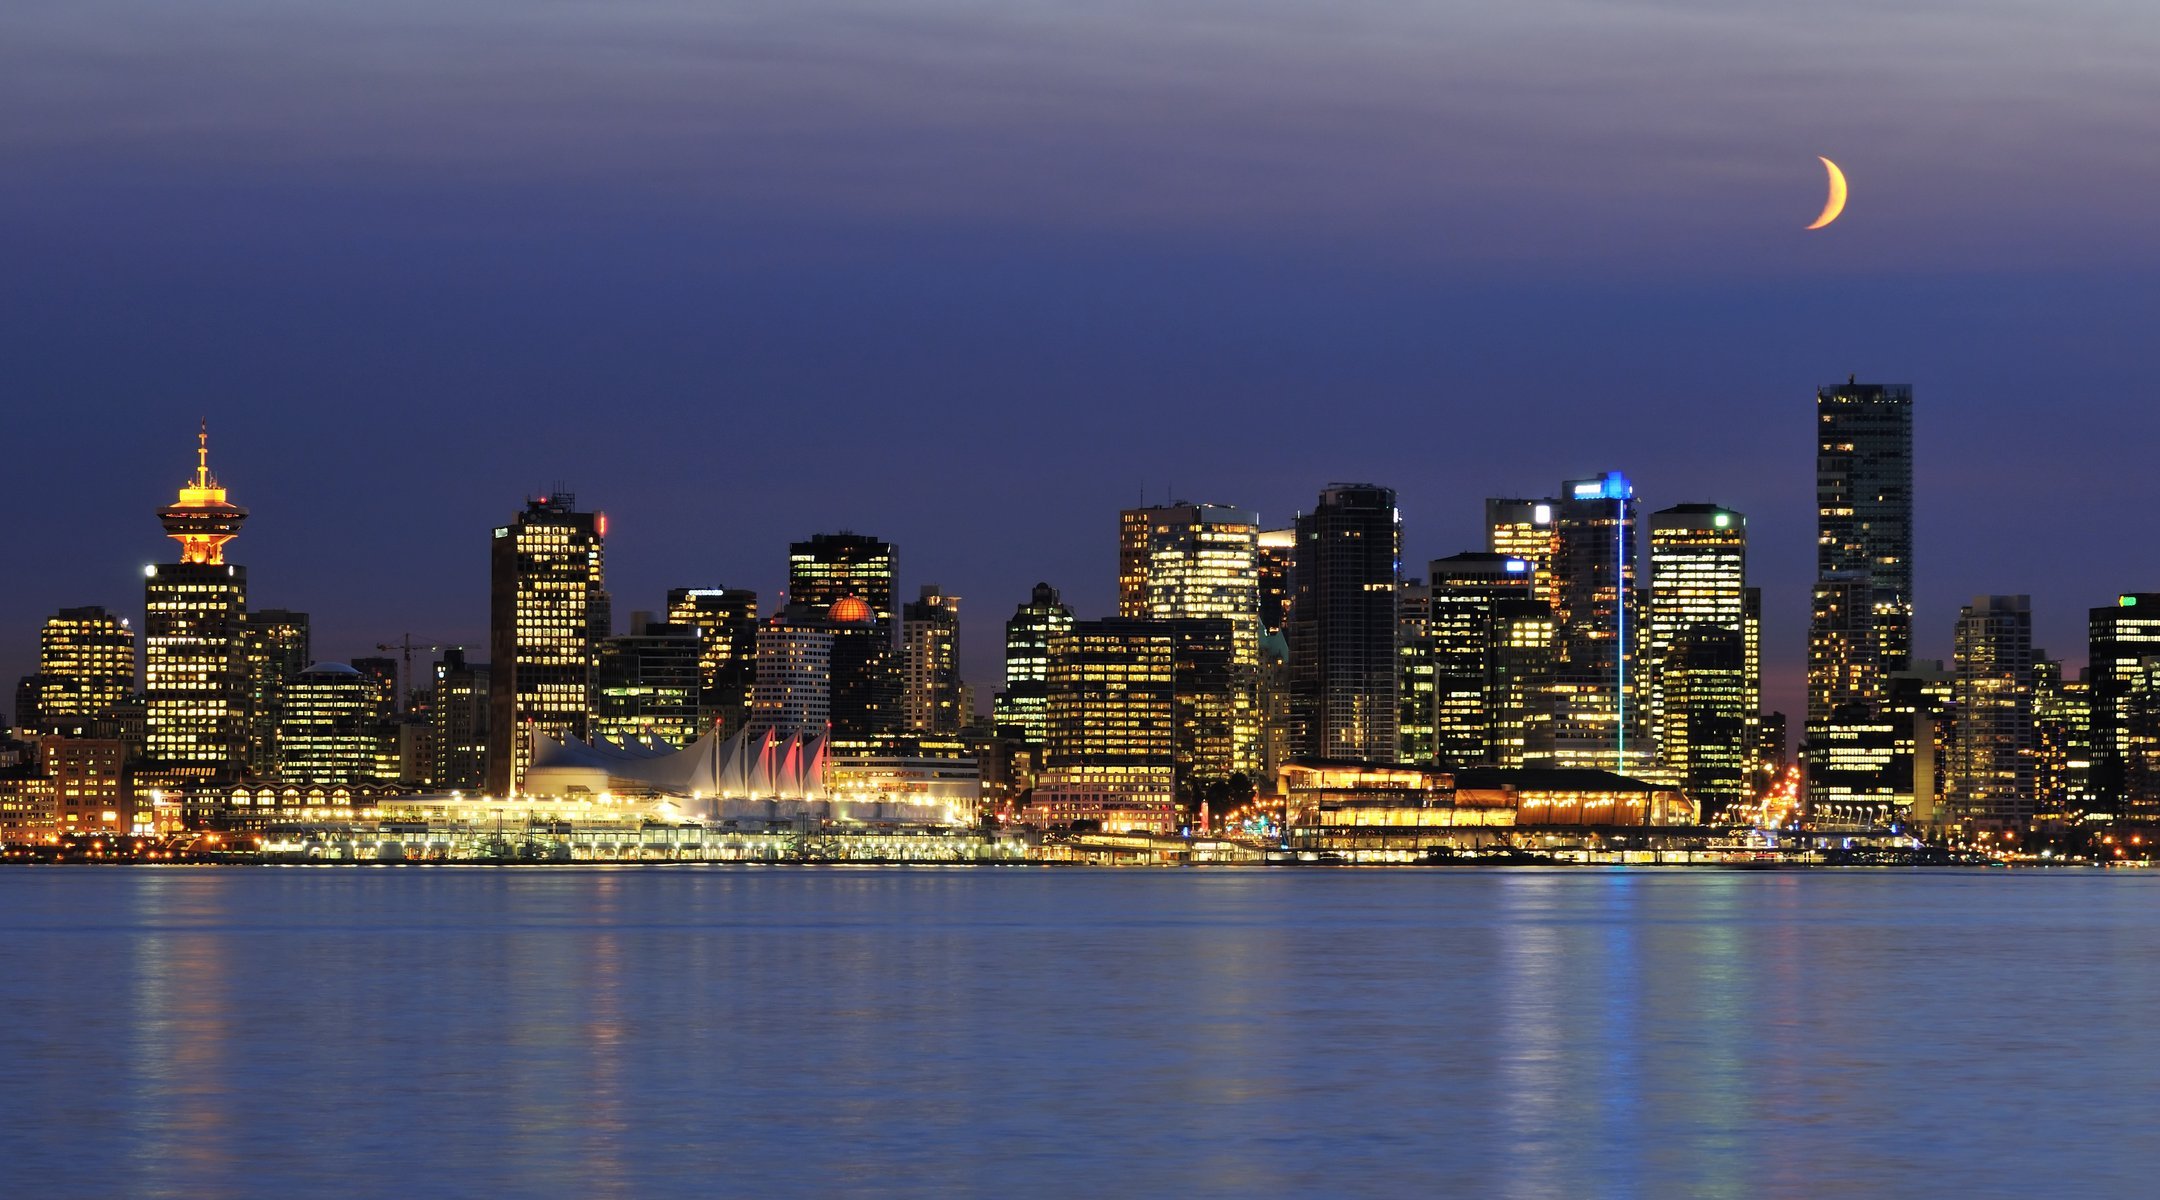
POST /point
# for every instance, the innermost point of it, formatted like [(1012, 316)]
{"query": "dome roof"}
[(849, 610)]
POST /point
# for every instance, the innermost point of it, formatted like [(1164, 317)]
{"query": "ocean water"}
[(273, 1032)]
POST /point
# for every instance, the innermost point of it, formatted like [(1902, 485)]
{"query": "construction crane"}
[(407, 645)]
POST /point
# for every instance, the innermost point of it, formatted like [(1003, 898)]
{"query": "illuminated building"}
[(1472, 688), (792, 690), (930, 663), (1858, 773), (275, 645), (87, 784), (1991, 760), (1861, 628), (460, 712), (1111, 748), (2062, 741), (726, 622), (335, 727), (2123, 652), (547, 616), (195, 615), (1700, 652), (1024, 704), (1274, 553), (1528, 530), (1196, 562), (646, 684), (86, 670), (866, 696), (1211, 694), (1596, 722), (1414, 649), (1524, 659), (832, 567), (1345, 683)]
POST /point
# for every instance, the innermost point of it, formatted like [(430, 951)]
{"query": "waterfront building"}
[(1211, 692), (1596, 722), (1414, 646), (1111, 748), (2123, 653), (548, 614), (86, 671), (1345, 685), (1469, 682), (87, 785), (1528, 530), (1200, 561), (726, 622), (275, 646), (792, 690), (1701, 652), (1024, 704), (2062, 742), (646, 684), (194, 665), (336, 727), (930, 664), (460, 712), (1992, 761), (1524, 665), (1861, 628)]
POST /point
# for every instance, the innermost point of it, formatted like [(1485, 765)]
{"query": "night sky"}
[(972, 276)]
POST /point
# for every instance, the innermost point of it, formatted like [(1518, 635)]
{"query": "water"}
[(701, 1031)]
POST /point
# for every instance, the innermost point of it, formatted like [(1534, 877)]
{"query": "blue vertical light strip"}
[(1620, 620)]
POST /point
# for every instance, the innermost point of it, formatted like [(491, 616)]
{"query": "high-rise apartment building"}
[(1861, 627), (1992, 755), (547, 616), (1596, 717), (2062, 741), (86, 670), (194, 665), (1024, 704), (1703, 701), (275, 647), (646, 683), (793, 690), (726, 622), (1345, 685), (930, 663)]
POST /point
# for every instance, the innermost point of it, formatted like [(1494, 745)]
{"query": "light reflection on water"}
[(939, 1032)]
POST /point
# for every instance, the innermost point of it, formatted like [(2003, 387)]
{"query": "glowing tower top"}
[(201, 520)]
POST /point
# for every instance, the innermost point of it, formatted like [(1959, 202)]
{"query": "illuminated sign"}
[(1516, 566), (2126, 601), (1541, 515)]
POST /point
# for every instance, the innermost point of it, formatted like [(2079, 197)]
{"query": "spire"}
[(202, 456)]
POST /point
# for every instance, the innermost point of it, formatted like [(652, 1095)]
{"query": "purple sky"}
[(970, 276)]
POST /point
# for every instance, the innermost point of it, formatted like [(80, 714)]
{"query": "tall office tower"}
[(1862, 622), (194, 666), (1210, 711), (547, 616), (793, 689), (1345, 691), (275, 647), (2062, 741), (1528, 530), (1699, 627), (1112, 713), (1415, 724), (866, 705), (1759, 771), (1274, 553), (832, 567), (1024, 704), (86, 670), (1596, 722), (460, 712), (382, 674), (1196, 562), (1991, 780), (1524, 664), (726, 623), (930, 663), (1469, 591), (2123, 650), (646, 683), (334, 725)]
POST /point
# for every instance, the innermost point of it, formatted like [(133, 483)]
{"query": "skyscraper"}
[(832, 567), (2123, 650), (1415, 651), (1197, 562), (86, 669), (1024, 704), (194, 669), (1528, 530), (1991, 760), (1471, 592), (335, 726), (1345, 689), (275, 647), (847, 582), (1596, 722), (793, 690), (1274, 553), (548, 614), (1703, 697), (1861, 629), (930, 663), (1111, 716), (460, 711), (726, 623), (646, 683)]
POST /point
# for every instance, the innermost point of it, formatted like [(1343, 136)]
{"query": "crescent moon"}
[(1836, 203)]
